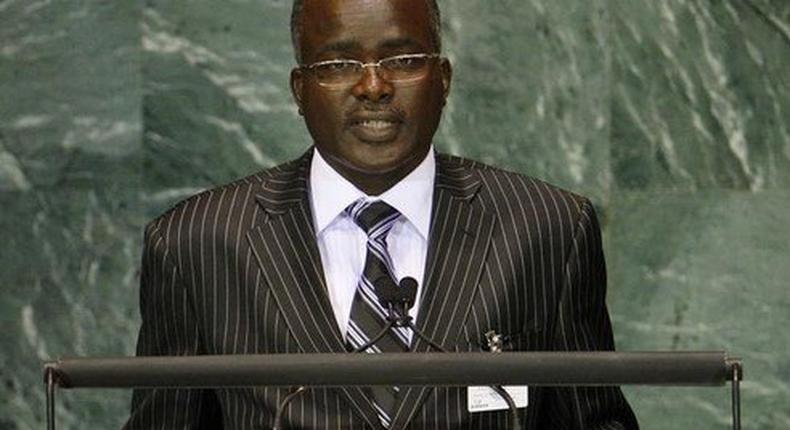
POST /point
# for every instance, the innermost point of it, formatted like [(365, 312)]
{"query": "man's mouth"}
[(375, 123), (375, 128)]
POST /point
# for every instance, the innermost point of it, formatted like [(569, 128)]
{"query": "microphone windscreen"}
[(386, 290), (408, 290)]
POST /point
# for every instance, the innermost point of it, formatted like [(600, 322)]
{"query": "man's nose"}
[(373, 87)]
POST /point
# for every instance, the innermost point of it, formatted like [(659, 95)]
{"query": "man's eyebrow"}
[(346, 46), (341, 46), (401, 42)]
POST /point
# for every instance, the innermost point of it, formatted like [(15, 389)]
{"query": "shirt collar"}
[(330, 193)]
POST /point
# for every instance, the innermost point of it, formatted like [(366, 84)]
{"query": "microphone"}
[(408, 292), (394, 301), (386, 290), (398, 300)]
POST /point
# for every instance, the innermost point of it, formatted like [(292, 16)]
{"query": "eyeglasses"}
[(342, 72)]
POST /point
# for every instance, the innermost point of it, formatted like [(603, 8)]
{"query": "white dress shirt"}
[(343, 244)]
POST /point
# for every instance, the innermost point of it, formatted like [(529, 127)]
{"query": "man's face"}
[(371, 130)]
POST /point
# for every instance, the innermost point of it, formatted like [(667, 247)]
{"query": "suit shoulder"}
[(217, 200), (502, 184)]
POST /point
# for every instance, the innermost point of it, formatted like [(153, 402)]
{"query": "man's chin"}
[(379, 168), (375, 159)]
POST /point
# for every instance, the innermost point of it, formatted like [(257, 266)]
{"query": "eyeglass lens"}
[(396, 69)]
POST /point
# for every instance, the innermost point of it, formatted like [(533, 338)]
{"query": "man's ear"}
[(447, 76), (297, 87)]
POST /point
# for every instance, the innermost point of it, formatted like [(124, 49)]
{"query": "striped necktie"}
[(368, 317)]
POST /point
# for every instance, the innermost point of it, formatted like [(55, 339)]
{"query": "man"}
[(278, 262)]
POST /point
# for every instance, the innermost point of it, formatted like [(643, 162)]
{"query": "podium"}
[(421, 369)]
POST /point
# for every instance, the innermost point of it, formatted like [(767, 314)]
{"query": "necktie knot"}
[(375, 218)]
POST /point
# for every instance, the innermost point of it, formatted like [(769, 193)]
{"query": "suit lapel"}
[(285, 248), (460, 237)]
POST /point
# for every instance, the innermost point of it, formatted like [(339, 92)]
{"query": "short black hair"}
[(296, 26)]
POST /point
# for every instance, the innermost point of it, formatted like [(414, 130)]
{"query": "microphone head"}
[(386, 290), (407, 292)]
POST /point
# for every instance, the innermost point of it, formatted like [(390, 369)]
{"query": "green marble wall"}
[(673, 115), (70, 199)]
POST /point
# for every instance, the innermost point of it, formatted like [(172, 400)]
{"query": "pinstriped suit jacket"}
[(236, 270)]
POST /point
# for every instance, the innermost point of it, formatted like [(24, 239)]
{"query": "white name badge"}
[(483, 399)]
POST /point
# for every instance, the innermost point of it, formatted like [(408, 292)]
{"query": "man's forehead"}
[(330, 17), (335, 9)]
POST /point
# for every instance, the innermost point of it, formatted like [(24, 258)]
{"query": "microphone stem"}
[(376, 338), (278, 418), (421, 335), (287, 400), (515, 422), (403, 320)]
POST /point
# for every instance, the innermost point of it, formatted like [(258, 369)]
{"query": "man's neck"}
[(374, 183)]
